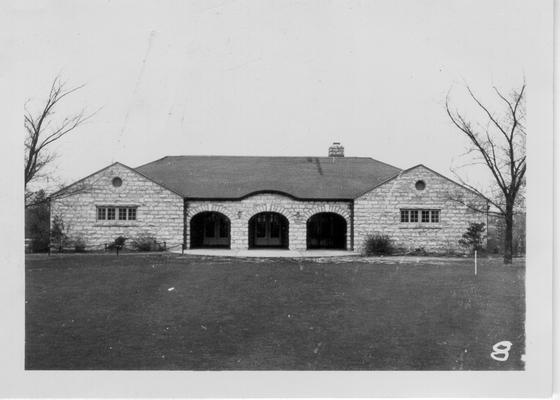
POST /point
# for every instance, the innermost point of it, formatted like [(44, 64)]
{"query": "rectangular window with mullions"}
[(435, 216), (113, 213), (425, 216), (404, 215)]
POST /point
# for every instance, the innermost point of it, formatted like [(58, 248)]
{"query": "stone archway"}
[(268, 230), (210, 229), (326, 230)]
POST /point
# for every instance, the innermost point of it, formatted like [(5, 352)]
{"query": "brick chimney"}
[(336, 150)]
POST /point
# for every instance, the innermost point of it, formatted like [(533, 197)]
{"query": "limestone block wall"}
[(160, 211), (378, 211), (296, 211)]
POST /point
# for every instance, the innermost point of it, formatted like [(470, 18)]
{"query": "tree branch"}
[(39, 136)]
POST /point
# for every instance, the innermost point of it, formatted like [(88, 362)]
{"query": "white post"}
[(475, 264)]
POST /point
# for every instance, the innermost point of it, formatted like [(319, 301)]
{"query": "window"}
[(117, 182), (404, 215), (112, 213), (426, 216), (261, 225), (209, 227), (224, 228), (420, 185), (274, 226), (435, 216)]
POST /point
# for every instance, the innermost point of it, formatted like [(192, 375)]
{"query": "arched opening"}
[(210, 229), (268, 230), (326, 231)]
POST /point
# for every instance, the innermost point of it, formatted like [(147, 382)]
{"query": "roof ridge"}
[(150, 162), (304, 177), (253, 156), (207, 156)]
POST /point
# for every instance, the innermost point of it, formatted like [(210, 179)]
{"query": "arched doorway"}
[(210, 229), (326, 231), (268, 230)]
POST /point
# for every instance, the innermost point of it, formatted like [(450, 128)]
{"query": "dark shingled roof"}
[(234, 177)]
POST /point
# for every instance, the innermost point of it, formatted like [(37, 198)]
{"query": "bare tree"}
[(42, 131), (499, 144)]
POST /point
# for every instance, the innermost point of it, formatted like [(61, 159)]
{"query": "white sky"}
[(269, 77)]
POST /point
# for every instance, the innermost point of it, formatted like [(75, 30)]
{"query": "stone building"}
[(295, 203)]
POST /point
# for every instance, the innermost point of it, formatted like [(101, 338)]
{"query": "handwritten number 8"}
[(501, 351)]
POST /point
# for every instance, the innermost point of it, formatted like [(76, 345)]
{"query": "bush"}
[(79, 245), (40, 243), (37, 225), (58, 235), (118, 243), (377, 244), (473, 237), (146, 243)]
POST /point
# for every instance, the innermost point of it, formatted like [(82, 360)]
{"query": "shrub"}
[(472, 238), (79, 245), (146, 243), (377, 244), (58, 235), (40, 242), (37, 225), (118, 243)]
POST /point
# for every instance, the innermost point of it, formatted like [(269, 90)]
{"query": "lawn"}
[(170, 312)]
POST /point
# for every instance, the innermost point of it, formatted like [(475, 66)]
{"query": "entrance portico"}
[(274, 221)]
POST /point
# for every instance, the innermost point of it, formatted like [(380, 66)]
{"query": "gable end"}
[(64, 189)]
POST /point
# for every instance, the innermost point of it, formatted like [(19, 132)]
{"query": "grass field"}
[(204, 313)]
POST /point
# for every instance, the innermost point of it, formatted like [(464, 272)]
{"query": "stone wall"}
[(159, 211), (296, 211), (378, 211)]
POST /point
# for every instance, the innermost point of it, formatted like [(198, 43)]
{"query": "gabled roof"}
[(78, 182), (234, 177), (404, 171)]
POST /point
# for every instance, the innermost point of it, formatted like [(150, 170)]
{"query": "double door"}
[(269, 230)]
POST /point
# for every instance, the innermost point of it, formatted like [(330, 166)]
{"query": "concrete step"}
[(272, 253)]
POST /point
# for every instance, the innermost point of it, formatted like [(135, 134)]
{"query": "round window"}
[(117, 181), (420, 185)]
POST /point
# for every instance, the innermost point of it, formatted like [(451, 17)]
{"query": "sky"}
[(270, 78)]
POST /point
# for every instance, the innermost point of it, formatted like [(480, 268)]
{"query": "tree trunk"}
[(508, 237)]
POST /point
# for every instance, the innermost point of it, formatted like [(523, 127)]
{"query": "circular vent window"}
[(117, 181), (420, 185)]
